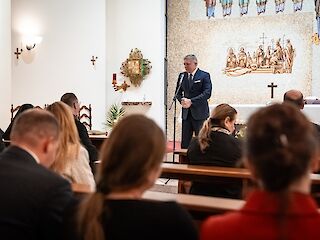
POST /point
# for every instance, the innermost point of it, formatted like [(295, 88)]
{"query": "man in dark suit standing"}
[(193, 94), (33, 198), (72, 101)]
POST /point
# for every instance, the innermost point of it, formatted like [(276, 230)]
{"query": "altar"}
[(312, 111)]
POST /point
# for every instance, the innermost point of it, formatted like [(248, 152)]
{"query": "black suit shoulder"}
[(34, 200), (2, 146), (86, 142)]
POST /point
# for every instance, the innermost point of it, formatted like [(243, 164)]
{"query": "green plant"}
[(114, 114)]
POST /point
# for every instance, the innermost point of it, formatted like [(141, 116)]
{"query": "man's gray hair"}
[(191, 57)]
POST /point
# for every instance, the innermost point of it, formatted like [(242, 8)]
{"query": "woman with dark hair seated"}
[(24, 107), (130, 164), (216, 146), (281, 152)]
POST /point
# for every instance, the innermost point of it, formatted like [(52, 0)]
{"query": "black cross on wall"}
[(272, 86), (17, 53), (93, 60)]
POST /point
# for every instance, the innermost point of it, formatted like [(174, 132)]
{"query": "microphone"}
[(181, 78)]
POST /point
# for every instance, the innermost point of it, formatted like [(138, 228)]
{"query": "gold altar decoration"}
[(136, 67), (273, 59)]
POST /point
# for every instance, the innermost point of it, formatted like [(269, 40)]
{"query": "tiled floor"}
[(165, 185)]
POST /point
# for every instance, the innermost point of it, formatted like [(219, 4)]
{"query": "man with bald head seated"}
[(296, 98), (33, 198)]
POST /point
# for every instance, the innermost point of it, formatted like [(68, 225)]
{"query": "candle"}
[(114, 79)]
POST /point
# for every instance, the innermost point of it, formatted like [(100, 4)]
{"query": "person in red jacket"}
[(282, 150)]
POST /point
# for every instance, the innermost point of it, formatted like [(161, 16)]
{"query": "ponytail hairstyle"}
[(135, 148), (217, 118), (280, 145)]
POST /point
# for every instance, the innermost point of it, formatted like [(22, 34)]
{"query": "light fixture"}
[(31, 41)]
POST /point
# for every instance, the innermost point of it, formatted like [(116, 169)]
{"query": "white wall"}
[(5, 62), (137, 24), (72, 32)]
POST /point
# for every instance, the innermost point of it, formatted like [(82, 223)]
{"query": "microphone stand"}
[(174, 100)]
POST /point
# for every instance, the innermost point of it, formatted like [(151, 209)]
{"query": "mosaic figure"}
[(288, 55), (261, 6), (226, 7), (297, 5), (260, 56), (242, 58), (268, 56), (243, 4), (279, 5), (231, 59), (210, 6)]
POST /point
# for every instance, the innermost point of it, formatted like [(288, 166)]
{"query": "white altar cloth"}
[(312, 111)]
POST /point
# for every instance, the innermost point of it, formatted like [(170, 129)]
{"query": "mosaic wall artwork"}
[(247, 50)]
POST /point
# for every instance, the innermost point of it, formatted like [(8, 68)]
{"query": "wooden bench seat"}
[(199, 172)]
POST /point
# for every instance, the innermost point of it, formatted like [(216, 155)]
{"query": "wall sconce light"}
[(31, 41)]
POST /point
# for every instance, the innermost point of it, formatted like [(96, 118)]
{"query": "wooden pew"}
[(210, 173), (182, 153), (199, 172), (98, 139), (200, 207)]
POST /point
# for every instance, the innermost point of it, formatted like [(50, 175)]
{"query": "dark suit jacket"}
[(2, 146), (33, 198), (199, 92), (6, 134), (86, 142)]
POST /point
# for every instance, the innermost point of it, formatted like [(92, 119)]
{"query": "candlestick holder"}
[(123, 86), (118, 87)]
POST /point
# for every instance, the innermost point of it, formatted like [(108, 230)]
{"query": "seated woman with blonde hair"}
[(72, 159), (130, 164), (216, 146), (281, 152)]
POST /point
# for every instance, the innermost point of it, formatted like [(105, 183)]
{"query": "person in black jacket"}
[(24, 107), (216, 146), (2, 146), (33, 199), (72, 101)]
